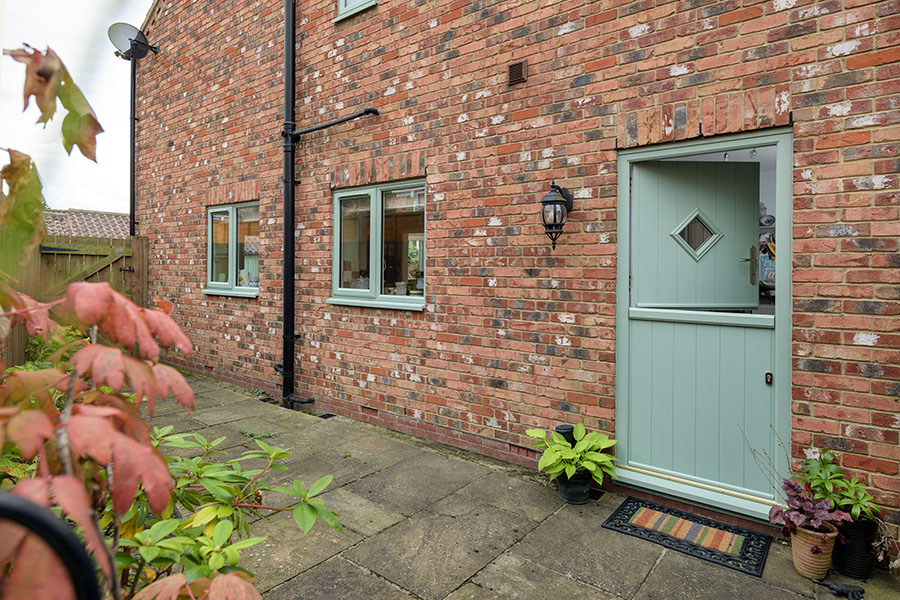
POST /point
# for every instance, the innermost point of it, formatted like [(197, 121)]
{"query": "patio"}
[(423, 520)]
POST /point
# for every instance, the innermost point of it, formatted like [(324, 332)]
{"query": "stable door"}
[(700, 353)]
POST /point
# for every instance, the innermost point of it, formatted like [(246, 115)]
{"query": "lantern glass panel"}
[(553, 214)]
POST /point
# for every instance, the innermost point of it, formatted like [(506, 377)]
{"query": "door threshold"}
[(739, 503)]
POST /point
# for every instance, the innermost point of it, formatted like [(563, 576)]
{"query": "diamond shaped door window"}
[(696, 234)]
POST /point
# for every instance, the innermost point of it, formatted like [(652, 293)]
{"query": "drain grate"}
[(327, 415)]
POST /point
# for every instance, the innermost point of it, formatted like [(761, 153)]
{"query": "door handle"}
[(754, 263)]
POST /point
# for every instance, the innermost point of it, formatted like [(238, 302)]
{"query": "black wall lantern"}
[(555, 209)]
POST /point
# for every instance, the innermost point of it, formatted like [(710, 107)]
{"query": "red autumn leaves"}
[(124, 322), (46, 78), (102, 427)]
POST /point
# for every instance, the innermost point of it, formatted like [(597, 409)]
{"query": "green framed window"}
[(347, 8), (232, 254), (378, 257)]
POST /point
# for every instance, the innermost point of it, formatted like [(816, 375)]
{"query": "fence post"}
[(30, 285), (139, 257)]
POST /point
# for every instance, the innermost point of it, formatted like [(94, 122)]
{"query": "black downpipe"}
[(287, 342), (131, 145), (291, 136)]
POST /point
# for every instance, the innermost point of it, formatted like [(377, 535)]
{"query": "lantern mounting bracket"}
[(565, 193)]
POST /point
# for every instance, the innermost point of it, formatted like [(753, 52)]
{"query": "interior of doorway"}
[(765, 156)]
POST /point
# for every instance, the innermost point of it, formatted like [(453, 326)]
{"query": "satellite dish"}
[(122, 34)]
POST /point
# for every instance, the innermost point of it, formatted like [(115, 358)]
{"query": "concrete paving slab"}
[(360, 514), (301, 441), (411, 485), (308, 468), (572, 542), (237, 411), (470, 591), (181, 423), (779, 570), (680, 576), (213, 398), (517, 578), (527, 498), (337, 579), (162, 408), (433, 554), (263, 425), (287, 551), (378, 449)]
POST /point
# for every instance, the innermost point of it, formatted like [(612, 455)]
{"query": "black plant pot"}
[(854, 558), (576, 489)]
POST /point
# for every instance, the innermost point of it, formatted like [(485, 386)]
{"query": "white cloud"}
[(78, 35)]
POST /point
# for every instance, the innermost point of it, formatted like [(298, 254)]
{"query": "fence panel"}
[(62, 260)]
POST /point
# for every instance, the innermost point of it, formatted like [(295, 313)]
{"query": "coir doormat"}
[(727, 545)]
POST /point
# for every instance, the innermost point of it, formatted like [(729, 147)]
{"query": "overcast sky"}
[(76, 30)]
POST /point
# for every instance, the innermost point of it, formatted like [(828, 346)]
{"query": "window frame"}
[(348, 8), (227, 288), (373, 296)]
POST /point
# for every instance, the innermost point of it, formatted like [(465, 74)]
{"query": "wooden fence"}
[(62, 260)]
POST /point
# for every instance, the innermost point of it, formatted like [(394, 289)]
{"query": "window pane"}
[(354, 259), (248, 247), (695, 233), (403, 236), (219, 258)]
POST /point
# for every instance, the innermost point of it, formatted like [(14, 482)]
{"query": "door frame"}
[(678, 487)]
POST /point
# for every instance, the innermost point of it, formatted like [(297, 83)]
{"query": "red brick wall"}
[(210, 109), (516, 335)]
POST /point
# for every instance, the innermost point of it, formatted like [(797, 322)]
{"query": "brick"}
[(842, 140), (737, 16), (854, 461), (873, 59)]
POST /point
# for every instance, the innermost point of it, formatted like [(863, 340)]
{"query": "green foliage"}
[(559, 456), (858, 501), (13, 469), (57, 348), (220, 497), (826, 480), (257, 436)]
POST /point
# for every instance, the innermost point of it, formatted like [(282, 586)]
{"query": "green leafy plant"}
[(856, 500), (56, 348), (826, 480), (559, 456)]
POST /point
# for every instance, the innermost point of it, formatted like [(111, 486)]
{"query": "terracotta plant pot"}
[(809, 564)]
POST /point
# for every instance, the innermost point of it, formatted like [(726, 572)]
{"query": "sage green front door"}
[(700, 355)]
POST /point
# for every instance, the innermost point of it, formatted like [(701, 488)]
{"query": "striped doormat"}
[(727, 545)]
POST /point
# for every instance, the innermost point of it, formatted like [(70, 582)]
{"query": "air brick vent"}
[(518, 72)]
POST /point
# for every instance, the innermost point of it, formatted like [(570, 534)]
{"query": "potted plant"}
[(812, 525), (577, 463), (854, 554)]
